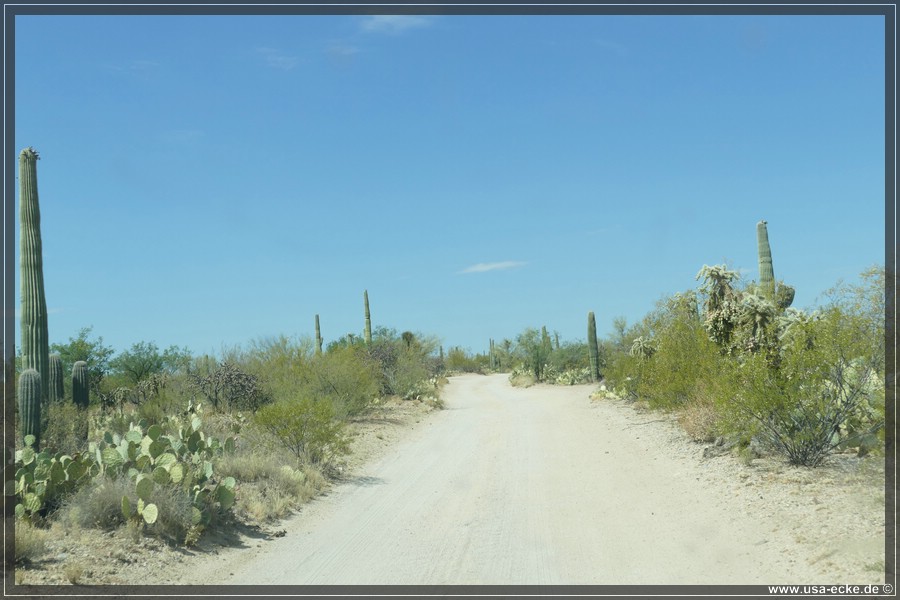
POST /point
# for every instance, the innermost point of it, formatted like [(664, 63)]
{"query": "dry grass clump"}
[(31, 542), (700, 419), (523, 380), (98, 505), (269, 490), (74, 572)]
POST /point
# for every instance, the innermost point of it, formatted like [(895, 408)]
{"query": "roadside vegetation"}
[(736, 362), (174, 445)]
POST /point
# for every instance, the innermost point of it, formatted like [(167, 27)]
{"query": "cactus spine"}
[(57, 389), (318, 337), (35, 341), (80, 392), (766, 273), (30, 405), (593, 350), (368, 318)]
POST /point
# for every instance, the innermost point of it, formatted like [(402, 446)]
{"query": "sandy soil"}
[(545, 486)]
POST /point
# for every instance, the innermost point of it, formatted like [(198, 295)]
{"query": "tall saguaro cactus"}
[(593, 350), (80, 390), (29, 393), (318, 337), (368, 318), (35, 340), (766, 273), (57, 389)]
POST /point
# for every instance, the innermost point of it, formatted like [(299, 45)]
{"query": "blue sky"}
[(209, 180)]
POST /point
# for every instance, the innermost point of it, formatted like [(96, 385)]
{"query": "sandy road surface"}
[(524, 486)]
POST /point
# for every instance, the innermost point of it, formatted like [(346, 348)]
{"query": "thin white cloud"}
[(494, 266), (339, 50), (393, 23), (278, 59), (180, 136), (135, 67), (614, 46)]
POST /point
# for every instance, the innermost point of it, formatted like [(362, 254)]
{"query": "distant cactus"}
[(80, 390), (57, 389), (368, 332), (784, 296), (318, 337), (35, 341), (29, 393), (766, 272), (593, 350)]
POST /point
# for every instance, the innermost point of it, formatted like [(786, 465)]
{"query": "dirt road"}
[(526, 486)]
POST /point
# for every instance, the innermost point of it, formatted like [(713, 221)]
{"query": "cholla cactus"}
[(642, 348), (721, 310)]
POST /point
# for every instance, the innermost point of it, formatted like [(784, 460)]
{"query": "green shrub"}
[(684, 356), (827, 378), (307, 428), (66, 425), (343, 378)]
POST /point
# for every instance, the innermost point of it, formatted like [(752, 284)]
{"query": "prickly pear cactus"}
[(29, 393), (35, 341)]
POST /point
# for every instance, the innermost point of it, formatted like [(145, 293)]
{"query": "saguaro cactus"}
[(35, 342), (30, 404), (57, 389), (368, 318), (80, 390), (593, 350), (766, 273), (318, 337)]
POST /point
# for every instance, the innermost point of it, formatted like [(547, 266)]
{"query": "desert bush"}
[(458, 360), (683, 357), (31, 542), (344, 378), (572, 356), (270, 490), (98, 505), (699, 416), (228, 387), (66, 424), (307, 428), (827, 376)]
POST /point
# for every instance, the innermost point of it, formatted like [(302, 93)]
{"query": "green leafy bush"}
[(825, 392), (307, 428)]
